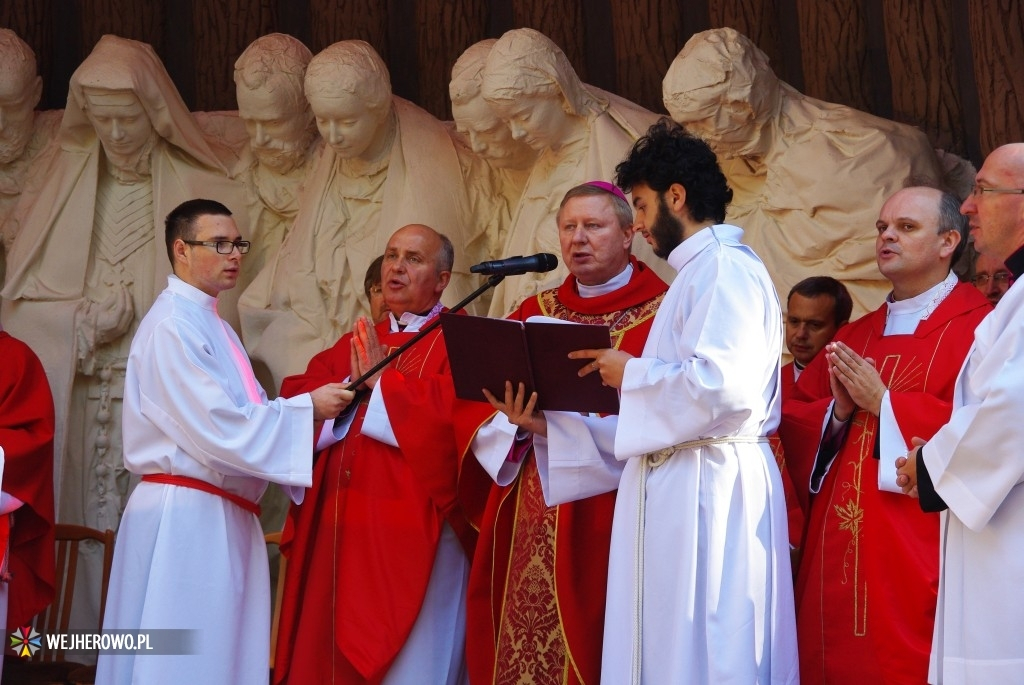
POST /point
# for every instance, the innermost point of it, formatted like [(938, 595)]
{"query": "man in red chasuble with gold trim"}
[(867, 584), (536, 602), (378, 553)]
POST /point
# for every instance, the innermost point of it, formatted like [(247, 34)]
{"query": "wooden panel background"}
[(952, 67)]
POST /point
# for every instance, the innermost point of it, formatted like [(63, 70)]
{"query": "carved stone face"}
[(346, 124), (17, 102), (121, 124), (539, 121), (729, 130), (489, 136), (279, 126)]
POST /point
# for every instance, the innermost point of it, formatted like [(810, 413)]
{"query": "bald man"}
[(391, 590), (972, 468)]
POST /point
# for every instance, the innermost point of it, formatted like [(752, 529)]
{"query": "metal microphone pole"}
[(492, 281)]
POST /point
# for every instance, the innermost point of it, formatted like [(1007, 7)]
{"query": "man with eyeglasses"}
[(200, 432), (991, 277), (972, 468)]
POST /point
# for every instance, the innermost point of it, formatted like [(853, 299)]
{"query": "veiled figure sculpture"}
[(386, 164), (90, 259), (579, 134), (808, 177)]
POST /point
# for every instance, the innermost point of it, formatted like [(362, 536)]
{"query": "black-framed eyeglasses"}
[(978, 191), (999, 278), (222, 246)]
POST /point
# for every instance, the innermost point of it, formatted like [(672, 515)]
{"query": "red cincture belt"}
[(196, 484)]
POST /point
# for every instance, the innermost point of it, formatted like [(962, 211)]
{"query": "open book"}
[(484, 353)]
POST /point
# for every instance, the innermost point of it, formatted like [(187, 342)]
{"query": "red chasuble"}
[(361, 546), (26, 434), (868, 579), (535, 610)]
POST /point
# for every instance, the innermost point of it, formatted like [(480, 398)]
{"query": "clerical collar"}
[(611, 285), (798, 369), (410, 322), (902, 317), (1015, 263)]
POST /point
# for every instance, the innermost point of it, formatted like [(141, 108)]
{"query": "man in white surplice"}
[(199, 430), (699, 584), (972, 468)]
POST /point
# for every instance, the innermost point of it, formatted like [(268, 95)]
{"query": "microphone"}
[(515, 266)]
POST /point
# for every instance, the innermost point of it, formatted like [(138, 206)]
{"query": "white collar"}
[(609, 286), (410, 323)]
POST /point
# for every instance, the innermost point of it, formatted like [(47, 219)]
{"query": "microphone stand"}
[(491, 281)]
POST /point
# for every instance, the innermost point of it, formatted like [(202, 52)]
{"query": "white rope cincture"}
[(653, 460)]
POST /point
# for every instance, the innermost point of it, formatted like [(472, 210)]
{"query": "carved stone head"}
[(349, 90), (487, 133), (528, 80), (722, 88), (269, 78), (20, 90)]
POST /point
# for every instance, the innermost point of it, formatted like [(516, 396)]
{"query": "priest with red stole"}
[(537, 582), (867, 584), (26, 491), (378, 553)]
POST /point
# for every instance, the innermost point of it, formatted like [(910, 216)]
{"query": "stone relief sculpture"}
[(90, 258), (283, 140), (579, 133), (808, 176), (24, 133), (496, 164), (387, 163)]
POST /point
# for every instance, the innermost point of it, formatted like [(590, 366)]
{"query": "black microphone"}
[(515, 266)]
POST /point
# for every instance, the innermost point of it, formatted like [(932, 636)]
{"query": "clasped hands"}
[(521, 411), (854, 381)]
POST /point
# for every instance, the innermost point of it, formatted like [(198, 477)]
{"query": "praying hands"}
[(367, 351), (854, 380)]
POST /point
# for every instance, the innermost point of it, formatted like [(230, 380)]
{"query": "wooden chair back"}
[(56, 617), (275, 621)]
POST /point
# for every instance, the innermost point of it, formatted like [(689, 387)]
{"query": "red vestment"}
[(26, 435), (538, 579), (868, 579), (361, 546)]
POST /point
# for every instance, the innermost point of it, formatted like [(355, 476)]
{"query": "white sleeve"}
[(177, 400), (376, 422), (890, 446), (577, 459), (492, 444), (709, 362)]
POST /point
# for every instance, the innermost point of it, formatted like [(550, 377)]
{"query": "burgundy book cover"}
[(484, 353)]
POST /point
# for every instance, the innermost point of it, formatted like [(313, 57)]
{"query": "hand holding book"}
[(485, 353)]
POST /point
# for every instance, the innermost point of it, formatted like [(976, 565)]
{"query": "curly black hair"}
[(668, 154)]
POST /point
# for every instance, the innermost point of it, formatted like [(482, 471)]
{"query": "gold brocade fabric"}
[(531, 645)]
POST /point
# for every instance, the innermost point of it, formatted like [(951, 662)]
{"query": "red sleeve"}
[(26, 435), (329, 366), (803, 412)]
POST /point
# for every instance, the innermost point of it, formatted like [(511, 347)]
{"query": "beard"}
[(666, 230), (281, 157)]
